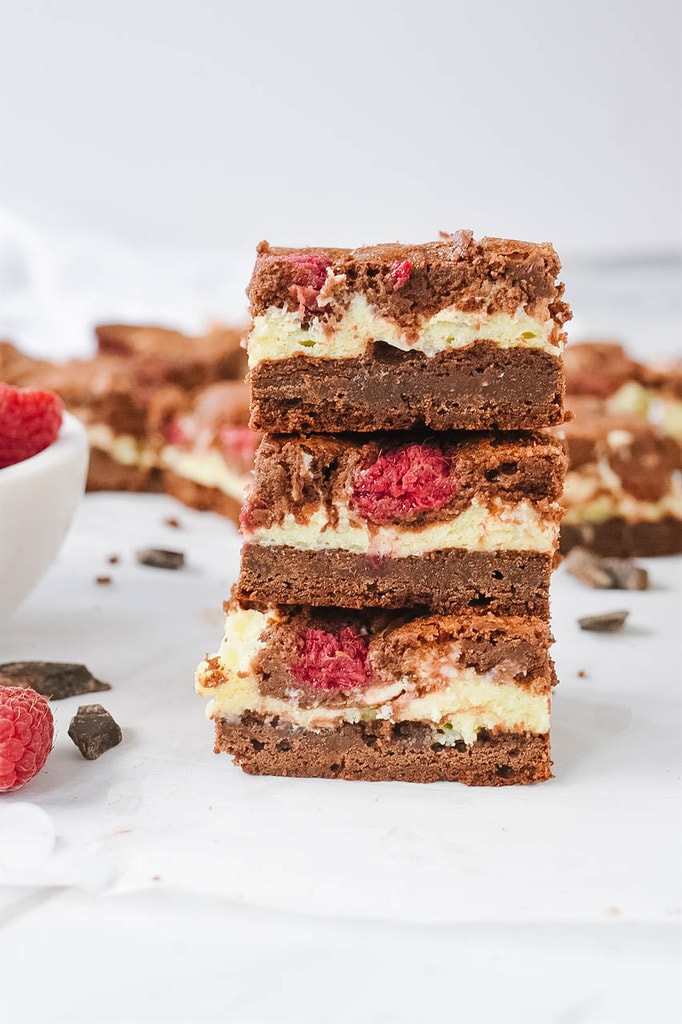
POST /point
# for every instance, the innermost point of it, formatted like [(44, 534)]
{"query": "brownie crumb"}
[(53, 679), (606, 573), (94, 731), (103, 581), (160, 559), (607, 622), (174, 523), (113, 559)]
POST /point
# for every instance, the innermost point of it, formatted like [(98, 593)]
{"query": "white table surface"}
[(159, 883)]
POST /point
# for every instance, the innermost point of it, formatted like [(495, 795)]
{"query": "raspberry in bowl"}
[(43, 462)]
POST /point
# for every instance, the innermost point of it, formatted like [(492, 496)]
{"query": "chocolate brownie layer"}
[(405, 282), (167, 356), (616, 537), (106, 474), (480, 387), (204, 499), (381, 751), (506, 582)]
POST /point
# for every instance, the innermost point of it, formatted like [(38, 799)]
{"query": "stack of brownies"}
[(391, 617)]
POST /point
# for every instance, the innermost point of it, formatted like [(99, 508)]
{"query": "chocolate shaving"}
[(606, 573), (103, 581), (607, 622), (173, 522), (160, 559), (94, 731), (53, 679)]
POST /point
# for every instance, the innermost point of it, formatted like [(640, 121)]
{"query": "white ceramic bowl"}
[(38, 498)]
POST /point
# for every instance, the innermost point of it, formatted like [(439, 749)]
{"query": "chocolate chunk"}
[(94, 731), (53, 679), (607, 622), (160, 559), (606, 573)]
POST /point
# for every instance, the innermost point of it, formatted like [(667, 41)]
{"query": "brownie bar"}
[(605, 372), (452, 334), (622, 494), (381, 752), (305, 691)]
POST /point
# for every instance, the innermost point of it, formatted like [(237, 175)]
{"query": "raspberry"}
[(174, 432), (400, 273), (403, 483), (330, 662), (29, 422), (309, 273), (245, 514), (26, 731), (239, 444)]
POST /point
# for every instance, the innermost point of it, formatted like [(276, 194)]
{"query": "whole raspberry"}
[(330, 662), (403, 483), (26, 732), (400, 273), (29, 422)]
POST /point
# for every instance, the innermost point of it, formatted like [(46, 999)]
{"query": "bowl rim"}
[(71, 440)]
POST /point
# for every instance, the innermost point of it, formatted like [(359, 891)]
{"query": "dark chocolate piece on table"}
[(94, 731), (158, 558), (606, 573), (53, 679), (606, 622)]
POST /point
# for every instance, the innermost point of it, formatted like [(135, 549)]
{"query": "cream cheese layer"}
[(208, 469), (280, 334), (124, 448), (498, 527), (595, 493), (464, 702)]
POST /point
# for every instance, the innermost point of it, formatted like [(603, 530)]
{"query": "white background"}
[(307, 121)]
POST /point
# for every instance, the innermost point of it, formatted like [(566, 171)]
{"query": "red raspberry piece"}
[(309, 272), (403, 483), (29, 422), (175, 433), (239, 444), (330, 662), (26, 731), (400, 273)]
